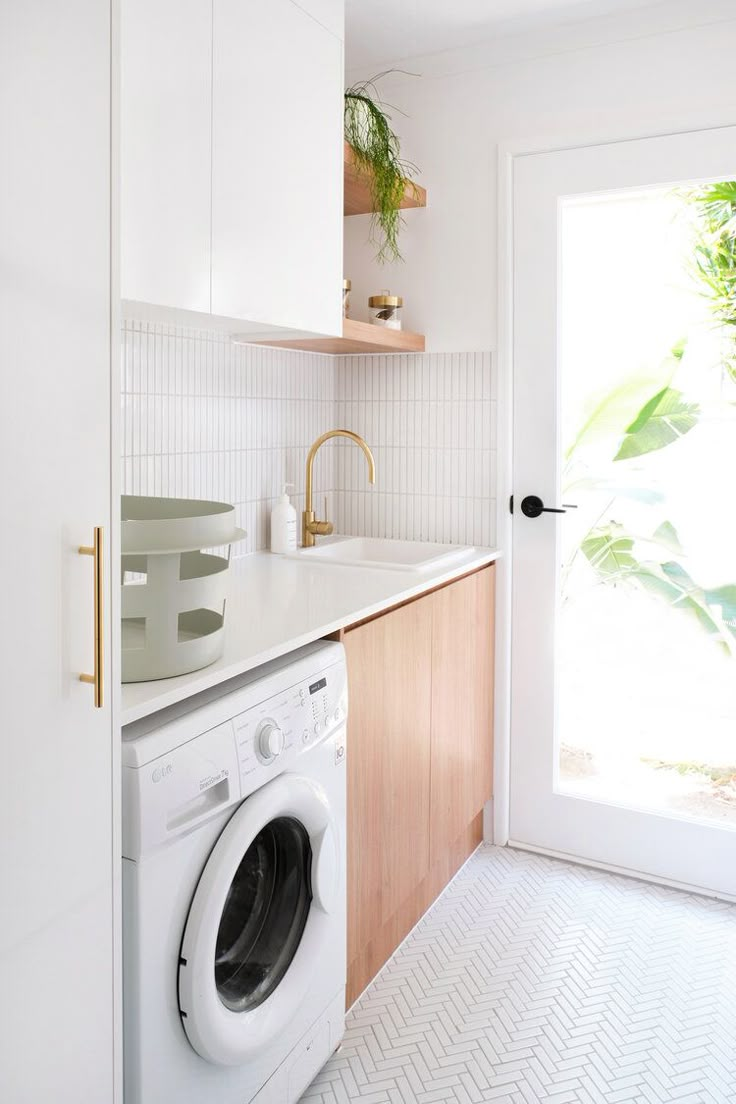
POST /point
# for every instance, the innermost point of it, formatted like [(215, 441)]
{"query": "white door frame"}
[(508, 152)]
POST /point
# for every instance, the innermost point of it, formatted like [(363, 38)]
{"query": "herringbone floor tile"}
[(535, 980)]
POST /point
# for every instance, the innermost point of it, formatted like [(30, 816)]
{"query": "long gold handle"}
[(98, 678)]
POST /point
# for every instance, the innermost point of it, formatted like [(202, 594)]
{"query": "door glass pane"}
[(265, 915), (646, 680)]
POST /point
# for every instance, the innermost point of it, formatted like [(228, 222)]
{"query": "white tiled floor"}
[(535, 980)]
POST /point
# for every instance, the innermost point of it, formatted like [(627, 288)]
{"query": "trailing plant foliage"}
[(378, 156)]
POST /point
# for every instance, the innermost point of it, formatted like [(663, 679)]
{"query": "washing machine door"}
[(260, 920)]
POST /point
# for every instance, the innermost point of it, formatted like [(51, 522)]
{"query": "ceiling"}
[(379, 32)]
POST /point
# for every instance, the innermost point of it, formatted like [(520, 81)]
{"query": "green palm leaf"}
[(608, 549), (662, 420)]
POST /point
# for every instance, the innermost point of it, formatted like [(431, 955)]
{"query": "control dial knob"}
[(269, 741)]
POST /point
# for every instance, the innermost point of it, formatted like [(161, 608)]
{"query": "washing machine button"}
[(269, 741)]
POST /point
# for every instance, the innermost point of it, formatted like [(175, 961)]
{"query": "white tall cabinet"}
[(230, 150), (58, 757)]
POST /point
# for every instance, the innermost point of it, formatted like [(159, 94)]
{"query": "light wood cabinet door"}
[(389, 672), (276, 166), (165, 152), (420, 747), (462, 705)]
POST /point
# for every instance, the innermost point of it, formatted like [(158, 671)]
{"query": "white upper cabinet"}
[(277, 166), (231, 158), (330, 13), (166, 140)]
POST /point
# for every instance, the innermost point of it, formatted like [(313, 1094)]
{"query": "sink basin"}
[(393, 555)]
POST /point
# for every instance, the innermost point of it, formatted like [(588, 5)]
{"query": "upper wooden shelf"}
[(357, 337), (357, 197)]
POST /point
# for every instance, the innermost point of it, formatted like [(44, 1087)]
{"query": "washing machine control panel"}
[(185, 765), (278, 729)]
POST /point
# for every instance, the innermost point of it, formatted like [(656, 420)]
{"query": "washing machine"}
[(234, 931)]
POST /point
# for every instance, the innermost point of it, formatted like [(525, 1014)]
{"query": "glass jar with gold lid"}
[(385, 310)]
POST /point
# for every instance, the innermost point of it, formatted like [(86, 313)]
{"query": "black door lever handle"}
[(532, 506)]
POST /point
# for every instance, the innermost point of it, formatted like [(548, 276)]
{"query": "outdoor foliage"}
[(715, 255), (647, 460), (644, 415), (609, 550), (662, 420)]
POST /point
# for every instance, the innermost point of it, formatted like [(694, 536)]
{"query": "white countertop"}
[(277, 604)]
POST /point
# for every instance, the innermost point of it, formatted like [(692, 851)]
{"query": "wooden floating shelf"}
[(357, 337), (357, 195)]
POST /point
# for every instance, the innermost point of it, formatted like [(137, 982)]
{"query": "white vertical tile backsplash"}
[(430, 420), (205, 418)]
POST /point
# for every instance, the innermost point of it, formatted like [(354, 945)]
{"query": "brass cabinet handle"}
[(97, 679)]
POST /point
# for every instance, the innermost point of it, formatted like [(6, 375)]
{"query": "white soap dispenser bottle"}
[(283, 524)]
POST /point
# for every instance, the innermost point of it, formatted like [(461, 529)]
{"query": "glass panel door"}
[(624, 607), (647, 622)]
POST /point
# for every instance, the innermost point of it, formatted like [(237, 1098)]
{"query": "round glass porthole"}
[(265, 914)]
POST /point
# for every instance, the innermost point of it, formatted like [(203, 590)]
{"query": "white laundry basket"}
[(173, 593)]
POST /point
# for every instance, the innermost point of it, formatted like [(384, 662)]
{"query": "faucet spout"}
[(310, 526)]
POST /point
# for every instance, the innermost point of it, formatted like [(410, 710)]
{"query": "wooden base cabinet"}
[(420, 745), (462, 705), (390, 686)]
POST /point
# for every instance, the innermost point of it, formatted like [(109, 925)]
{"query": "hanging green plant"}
[(378, 156)]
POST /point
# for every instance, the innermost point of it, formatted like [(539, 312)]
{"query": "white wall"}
[(659, 73), (204, 418), (430, 420)]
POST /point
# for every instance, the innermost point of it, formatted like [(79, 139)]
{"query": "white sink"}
[(393, 555)]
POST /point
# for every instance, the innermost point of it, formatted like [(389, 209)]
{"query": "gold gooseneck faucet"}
[(310, 526)]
